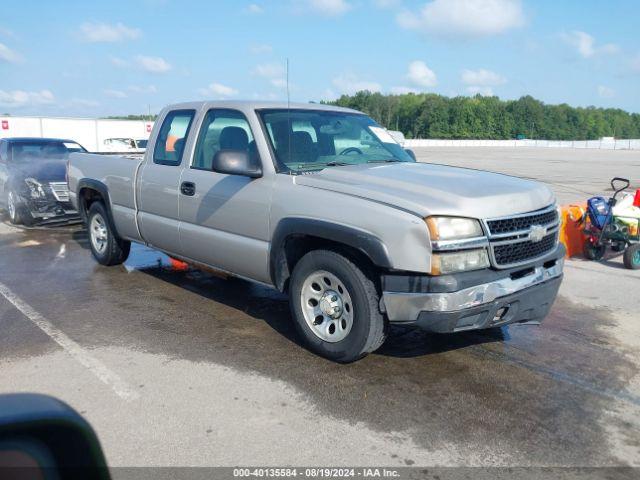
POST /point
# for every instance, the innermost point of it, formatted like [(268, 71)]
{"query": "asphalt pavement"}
[(177, 368)]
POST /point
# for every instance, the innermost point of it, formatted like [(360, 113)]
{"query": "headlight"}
[(443, 263), (453, 228), (35, 188)]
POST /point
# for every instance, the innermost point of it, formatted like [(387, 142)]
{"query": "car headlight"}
[(461, 261), (35, 188), (453, 228)]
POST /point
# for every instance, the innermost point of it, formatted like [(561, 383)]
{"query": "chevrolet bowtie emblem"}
[(537, 233)]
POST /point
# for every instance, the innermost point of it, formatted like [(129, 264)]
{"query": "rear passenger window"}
[(172, 137), (223, 129)]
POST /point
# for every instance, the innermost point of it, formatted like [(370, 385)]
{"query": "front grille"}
[(513, 253), (518, 224), (60, 191), (510, 238)]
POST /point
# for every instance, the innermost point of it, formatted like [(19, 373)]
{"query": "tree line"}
[(429, 115)]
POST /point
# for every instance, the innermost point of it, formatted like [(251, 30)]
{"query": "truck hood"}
[(427, 189)]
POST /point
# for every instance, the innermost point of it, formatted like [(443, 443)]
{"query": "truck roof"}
[(245, 105)]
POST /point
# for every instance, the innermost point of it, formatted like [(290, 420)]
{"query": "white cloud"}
[(274, 72), (464, 18), (114, 93), (349, 83), (482, 77), (261, 49), (5, 32), (635, 63), (330, 8), (421, 75), (153, 64), (21, 98), (606, 92), (585, 44), (118, 62), (8, 55), (403, 90), (329, 94), (218, 90), (253, 9), (484, 91), (142, 88), (104, 32)]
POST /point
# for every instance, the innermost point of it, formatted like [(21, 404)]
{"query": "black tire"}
[(15, 211), (593, 252), (114, 250), (368, 328), (632, 257)]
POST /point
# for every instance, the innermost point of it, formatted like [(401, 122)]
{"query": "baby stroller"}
[(604, 229)]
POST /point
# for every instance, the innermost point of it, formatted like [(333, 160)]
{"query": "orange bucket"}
[(571, 234)]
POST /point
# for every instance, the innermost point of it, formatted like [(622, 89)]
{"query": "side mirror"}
[(411, 153), (236, 162), (45, 438)]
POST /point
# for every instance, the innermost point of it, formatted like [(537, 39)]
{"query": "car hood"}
[(427, 189), (42, 171)]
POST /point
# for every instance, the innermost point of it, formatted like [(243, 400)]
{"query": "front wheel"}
[(106, 247), (335, 307), (632, 257), (593, 251), (17, 213)]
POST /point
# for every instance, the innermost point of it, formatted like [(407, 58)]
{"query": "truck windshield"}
[(312, 140)]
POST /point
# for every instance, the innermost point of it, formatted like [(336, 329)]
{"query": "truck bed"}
[(118, 174)]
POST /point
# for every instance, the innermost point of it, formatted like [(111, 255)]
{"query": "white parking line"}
[(119, 386)]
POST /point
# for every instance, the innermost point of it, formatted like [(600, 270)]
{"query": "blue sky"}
[(80, 58)]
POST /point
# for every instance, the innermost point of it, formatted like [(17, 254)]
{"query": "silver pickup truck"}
[(322, 203)]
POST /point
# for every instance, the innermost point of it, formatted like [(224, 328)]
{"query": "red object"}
[(178, 266), (5, 124), (636, 201), (148, 127)]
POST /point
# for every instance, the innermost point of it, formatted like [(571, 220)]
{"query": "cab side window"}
[(223, 129), (173, 135)]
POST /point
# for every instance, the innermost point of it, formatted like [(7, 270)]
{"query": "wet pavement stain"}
[(540, 392)]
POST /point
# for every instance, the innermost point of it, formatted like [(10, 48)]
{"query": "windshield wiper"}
[(337, 164), (386, 160)]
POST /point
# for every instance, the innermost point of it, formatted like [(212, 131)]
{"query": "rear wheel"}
[(632, 257), (106, 247), (593, 251), (335, 307)]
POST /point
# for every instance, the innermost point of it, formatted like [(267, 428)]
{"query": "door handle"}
[(188, 189)]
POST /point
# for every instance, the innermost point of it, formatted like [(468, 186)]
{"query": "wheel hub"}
[(331, 304), (327, 306)]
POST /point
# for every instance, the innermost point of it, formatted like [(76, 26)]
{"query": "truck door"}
[(159, 182), (225, 218)]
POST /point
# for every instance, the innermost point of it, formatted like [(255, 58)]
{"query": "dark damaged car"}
[(33, 185)]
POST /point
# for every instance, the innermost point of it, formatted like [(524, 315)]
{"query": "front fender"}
[(366, 243)]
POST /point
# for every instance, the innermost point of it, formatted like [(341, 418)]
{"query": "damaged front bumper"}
[(474, 300), (53, 207)]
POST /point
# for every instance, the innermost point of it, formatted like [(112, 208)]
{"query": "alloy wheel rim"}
[(98, 233), (327, 306)]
